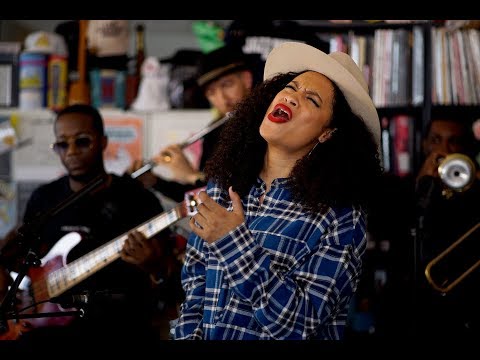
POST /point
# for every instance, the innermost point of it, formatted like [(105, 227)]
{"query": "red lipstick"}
[(280, 114)]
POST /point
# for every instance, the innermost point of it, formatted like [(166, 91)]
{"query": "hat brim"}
[(216, 73), (296, 57)]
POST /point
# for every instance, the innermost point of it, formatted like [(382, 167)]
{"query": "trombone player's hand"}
[(431, 164), (174, 159)]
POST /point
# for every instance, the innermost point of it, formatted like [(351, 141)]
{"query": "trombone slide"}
[(447, 284)]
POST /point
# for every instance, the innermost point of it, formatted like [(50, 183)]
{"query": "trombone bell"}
[(457, 171)]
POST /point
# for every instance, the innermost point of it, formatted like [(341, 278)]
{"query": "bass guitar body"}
[(33, 294)]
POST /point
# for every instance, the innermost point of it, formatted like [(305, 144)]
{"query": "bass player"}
[(121, 296)]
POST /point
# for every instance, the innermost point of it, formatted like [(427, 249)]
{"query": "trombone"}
[(457, 172)]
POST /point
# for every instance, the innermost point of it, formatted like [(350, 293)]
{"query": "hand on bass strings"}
[(144, 252), (212, 221)]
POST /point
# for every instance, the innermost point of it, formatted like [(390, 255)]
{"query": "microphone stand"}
[(26, 233), (424, 192)]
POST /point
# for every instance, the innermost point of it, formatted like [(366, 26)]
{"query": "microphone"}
[(68, 301), (87, 298)]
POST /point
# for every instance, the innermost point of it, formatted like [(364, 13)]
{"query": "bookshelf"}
[(455, 72), (416, 69)]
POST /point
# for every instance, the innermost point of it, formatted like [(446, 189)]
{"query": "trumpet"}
[(189, 141), (457, 172)]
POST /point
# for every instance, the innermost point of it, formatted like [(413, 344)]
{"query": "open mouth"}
[(280, 114)]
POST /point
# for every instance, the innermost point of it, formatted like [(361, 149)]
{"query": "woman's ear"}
[(327, 134)]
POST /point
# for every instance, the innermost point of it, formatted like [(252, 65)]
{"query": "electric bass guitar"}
[(54, 276)]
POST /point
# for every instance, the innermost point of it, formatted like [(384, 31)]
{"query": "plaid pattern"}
[(282, 274)]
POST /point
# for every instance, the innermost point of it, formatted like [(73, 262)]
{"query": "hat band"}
[(211, 75)]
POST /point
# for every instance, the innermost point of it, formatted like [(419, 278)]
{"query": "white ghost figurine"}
[(152, 92)]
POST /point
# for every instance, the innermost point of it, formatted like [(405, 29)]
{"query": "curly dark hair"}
[(342, 171)]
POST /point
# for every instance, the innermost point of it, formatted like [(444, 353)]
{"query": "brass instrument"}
[(457, 172), (446, 283)]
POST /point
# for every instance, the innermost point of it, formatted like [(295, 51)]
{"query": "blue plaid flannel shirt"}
[(282, 274)]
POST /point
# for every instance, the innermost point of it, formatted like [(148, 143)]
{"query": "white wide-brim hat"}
[(338, 66)]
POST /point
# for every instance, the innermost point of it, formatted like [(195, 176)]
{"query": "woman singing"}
[(278, 239)]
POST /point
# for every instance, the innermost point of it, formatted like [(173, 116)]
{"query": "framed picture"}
[(125, 133)]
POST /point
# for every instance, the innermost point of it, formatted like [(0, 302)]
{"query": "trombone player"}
[(442, 217)]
